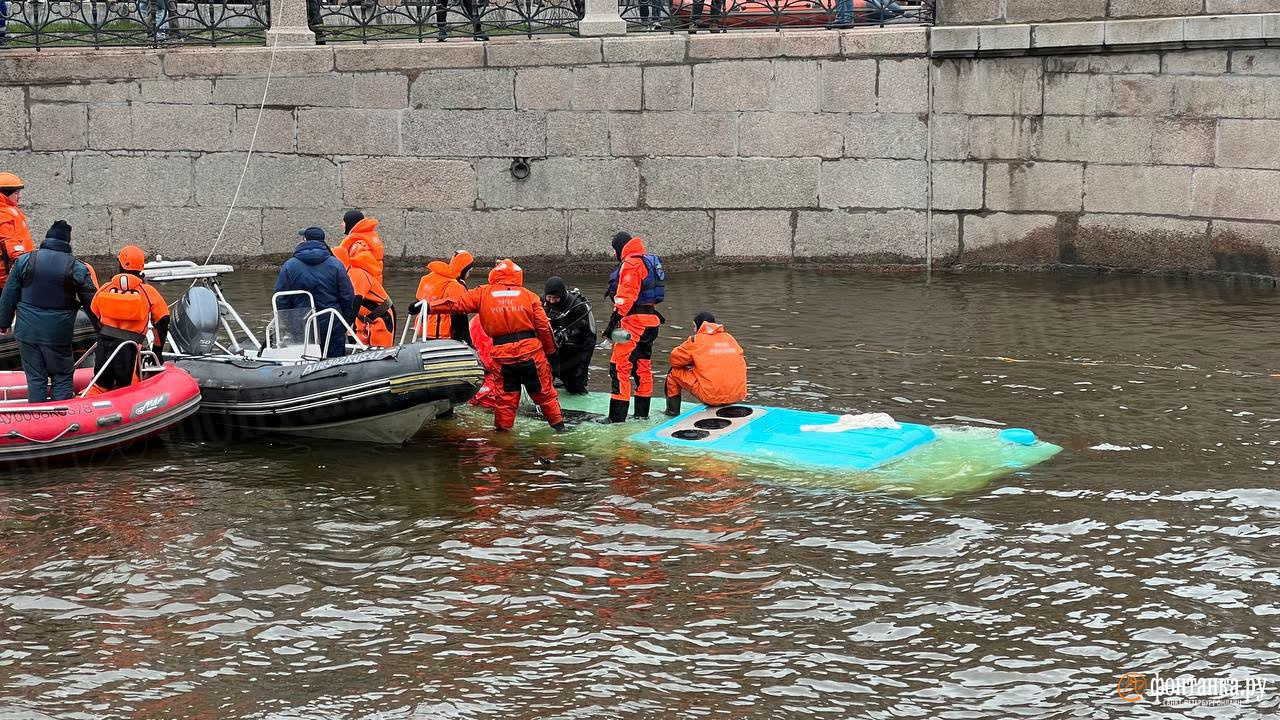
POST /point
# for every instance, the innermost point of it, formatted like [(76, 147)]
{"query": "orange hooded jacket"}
[(364, 233), (630, 278), (375, 319), (510, 314), (444, 282), (714, 362), (15, 236)]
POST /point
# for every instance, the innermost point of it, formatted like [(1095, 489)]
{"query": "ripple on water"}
[(461, 579)]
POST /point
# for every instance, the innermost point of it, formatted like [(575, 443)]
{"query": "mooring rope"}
[(248, 156)]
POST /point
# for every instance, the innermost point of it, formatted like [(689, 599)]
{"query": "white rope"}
[(245, 171)]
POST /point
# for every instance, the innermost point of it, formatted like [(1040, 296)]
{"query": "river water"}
[(462, 578)]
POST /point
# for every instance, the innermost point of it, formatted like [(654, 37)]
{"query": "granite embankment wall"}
[(1077, 143)]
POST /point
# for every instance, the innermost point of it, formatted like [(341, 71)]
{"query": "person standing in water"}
[(574, 327), (522, 340), (640, 287)]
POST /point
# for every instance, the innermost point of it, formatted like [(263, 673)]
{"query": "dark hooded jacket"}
[(314, 268)]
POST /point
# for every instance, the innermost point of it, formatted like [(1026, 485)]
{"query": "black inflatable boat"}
[(285, 385)]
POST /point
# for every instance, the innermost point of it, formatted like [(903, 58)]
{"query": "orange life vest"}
[(443, 283), (126, 305)]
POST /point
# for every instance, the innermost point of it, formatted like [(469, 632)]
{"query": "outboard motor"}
[(195, 323)]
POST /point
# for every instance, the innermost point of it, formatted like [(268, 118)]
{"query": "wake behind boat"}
[(284, 384)]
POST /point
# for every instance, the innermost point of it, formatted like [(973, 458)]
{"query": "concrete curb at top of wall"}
[(1190, 32)]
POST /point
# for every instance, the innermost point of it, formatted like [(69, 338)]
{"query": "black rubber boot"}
[(673, 405), (617, 411), (559, 427), (642, 408)]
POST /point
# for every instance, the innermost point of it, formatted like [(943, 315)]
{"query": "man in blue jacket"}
[(46, 288), (314, 268)]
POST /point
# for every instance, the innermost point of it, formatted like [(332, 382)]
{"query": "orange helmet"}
[(9, 181), (132, 258)]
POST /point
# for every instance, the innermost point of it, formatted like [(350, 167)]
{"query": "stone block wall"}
[(982, 12), (807, 145), (733, 146)]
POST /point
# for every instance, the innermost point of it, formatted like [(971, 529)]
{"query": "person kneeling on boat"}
[(522, 339), (575, 329), (445, 280), (126, 306), (375, 324), (710, 365), (46, 289), (314, 268)]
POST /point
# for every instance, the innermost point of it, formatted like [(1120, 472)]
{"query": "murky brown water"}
[(455, 578)]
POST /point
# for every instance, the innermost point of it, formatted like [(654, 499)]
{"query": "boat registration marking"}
[(347, 360)]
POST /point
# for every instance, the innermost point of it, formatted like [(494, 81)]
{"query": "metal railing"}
[(147, 23), (369, 20), (162, 23), (722, 15)]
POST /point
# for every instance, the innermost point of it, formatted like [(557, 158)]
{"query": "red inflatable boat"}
[(90, 424)]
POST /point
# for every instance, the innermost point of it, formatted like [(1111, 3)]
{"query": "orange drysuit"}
[(633, 359), (445, 282), (364, 233), (711, 366), (487, 395), (15, 236), (375, 323), (522, 339)]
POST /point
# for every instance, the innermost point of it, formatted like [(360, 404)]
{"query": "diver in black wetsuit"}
[(574, 327)]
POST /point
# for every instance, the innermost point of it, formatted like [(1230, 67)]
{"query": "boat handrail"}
[(225, 309), (272, 342), (314, 320), (419, 326), (137, 363)]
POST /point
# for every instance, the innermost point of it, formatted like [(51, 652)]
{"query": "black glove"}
[(416, 308), (614, 320), (159, 355)]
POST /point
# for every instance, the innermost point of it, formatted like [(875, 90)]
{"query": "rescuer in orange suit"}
[(375, 321), (15, 236), (445, 281), (126, 306), (710, 364), (487, 395), (359, 230), (522, 339), (640, 287)]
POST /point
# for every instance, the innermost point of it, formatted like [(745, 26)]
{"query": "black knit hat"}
[(61, 230), (351, 218), (703, 317), (620, 241)]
